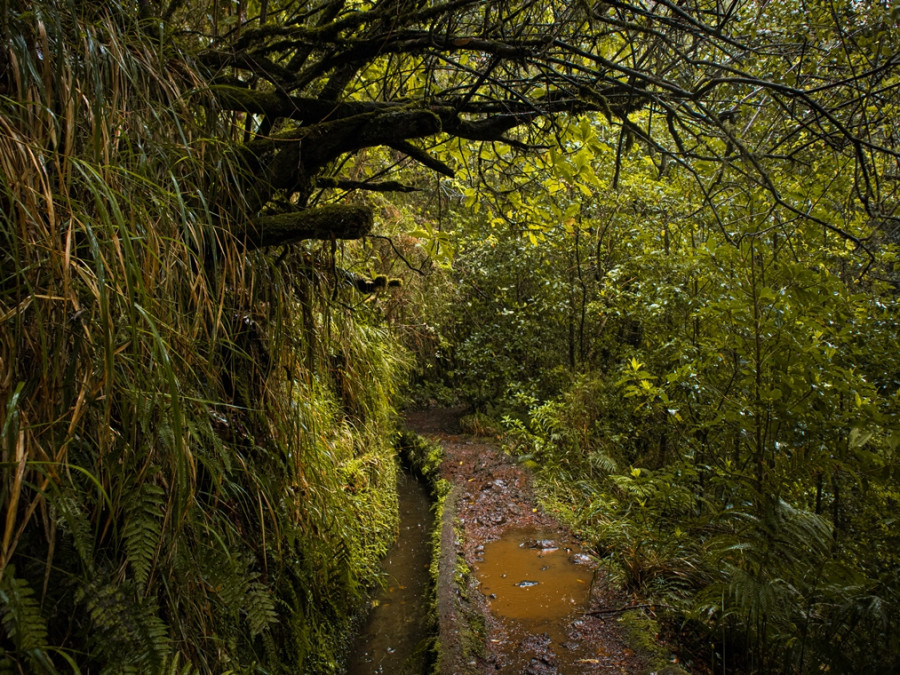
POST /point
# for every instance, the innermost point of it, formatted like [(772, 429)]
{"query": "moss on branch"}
[(339, 221), (382, 186), (299, 108)]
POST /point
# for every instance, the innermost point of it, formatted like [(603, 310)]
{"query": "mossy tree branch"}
[(317, 66), (337, 221)]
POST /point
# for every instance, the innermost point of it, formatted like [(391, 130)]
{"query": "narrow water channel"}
[(395, 637)]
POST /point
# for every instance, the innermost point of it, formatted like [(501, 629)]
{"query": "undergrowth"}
[(744, 584)]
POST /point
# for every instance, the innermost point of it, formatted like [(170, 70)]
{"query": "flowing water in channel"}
[(395, 635)]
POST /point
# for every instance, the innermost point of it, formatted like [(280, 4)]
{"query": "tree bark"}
[(338, 221)]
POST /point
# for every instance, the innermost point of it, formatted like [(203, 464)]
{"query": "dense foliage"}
[(701, 357), (675, 225), (710, 394)]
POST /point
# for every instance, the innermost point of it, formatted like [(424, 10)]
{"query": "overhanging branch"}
[(423, 158), (382, 186), (338, 221)]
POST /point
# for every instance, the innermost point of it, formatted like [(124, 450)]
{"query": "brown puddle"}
[(529, 576), (539, 586)]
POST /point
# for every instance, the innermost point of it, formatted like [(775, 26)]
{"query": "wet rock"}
[(535, 642), (542, 665), (580, 559)]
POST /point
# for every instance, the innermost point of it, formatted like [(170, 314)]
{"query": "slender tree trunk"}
[(757, 379)]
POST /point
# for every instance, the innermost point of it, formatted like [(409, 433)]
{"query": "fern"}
[(20, 614), (238, 591), (602, 463), (259, 607), (175, 667), (127, 631), (143, 530), (74, 521)]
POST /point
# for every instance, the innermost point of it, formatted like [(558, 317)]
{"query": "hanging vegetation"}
[(197, 469)]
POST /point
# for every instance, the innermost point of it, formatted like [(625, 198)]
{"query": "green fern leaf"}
[(20, 614), (128, 631), (143, 530), (74, 520), (259, 607)]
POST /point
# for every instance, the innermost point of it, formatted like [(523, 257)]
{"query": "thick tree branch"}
[(298, 108), (328, 140), (290, 161), (339, 221), (501, 115), (258, 65)]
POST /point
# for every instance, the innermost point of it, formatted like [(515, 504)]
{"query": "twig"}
[(601, 612), (397, 253)]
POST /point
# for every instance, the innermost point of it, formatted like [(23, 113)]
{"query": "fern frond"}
[(176, 667), (126, 630), (20, 614), (143, 530), (259, 607), (74, 521)]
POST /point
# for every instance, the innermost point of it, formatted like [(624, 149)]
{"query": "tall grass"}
[(186, 482)]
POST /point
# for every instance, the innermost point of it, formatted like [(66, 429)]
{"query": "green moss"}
[(424, 457), (473, 635)]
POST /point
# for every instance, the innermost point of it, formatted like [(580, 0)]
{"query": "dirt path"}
[(499, 528)]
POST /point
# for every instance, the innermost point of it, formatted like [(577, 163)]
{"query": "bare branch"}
[(423, 158), (383, 186)]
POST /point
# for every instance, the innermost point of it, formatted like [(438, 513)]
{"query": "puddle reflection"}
[(530, 576)]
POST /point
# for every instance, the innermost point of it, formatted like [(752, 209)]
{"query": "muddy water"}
[(534, 582), (394, 638)]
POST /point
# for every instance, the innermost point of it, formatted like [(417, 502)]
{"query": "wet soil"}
[(546, 615)]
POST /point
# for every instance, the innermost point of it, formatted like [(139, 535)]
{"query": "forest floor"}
[(502, 533)]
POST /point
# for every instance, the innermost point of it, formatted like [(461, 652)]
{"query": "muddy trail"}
[(534, 601)]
